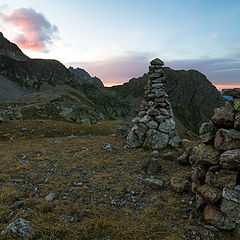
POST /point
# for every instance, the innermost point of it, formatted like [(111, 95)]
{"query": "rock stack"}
[(216, 166), (154, 126)]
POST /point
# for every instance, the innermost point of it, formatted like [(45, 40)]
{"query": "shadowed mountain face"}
[(193, 97), (82, 74)]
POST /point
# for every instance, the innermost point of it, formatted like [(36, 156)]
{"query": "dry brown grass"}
[(103, 206)]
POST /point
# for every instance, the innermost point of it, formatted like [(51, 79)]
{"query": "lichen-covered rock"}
[(218, 219), (207, 132), (209, 194), (236, 104), (227, 139), (230, 159), (206, 155), (224, 116), (231, 209)]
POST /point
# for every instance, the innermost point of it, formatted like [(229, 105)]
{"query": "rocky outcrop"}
[(154, 126), (82, 74), (216, 168)]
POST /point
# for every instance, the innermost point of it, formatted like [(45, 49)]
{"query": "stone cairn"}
[(154, 127), (216, 166)]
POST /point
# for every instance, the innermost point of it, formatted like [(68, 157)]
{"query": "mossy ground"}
[(99, 194)]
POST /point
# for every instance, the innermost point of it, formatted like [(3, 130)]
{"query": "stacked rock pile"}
[(154, 125), (216, 166)]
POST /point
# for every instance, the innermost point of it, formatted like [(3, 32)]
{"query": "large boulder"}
[(230, 159), (224, 116), (207, 132), (206, 155), (155, 140), (218, 219), (227, 139)]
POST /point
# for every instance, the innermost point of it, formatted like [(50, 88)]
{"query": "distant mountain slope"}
[(82, 74), (192, 95)]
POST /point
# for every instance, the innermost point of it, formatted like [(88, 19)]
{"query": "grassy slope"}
[(111, 202)]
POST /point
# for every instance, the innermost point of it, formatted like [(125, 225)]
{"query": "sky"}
[(116, 39)]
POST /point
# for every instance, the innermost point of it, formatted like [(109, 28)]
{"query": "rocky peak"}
[(82, 74), (10, 49)]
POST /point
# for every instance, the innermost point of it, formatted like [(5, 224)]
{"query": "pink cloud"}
[(35, 31)]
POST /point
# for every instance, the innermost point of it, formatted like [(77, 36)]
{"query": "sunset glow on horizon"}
[(115, 40)]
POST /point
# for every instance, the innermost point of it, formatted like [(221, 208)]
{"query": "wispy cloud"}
[(35, 32)]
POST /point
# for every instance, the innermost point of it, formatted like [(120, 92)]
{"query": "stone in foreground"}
[(227, 139), (154, 183), (178, 184), (20, 227), (218, 219), (230, 159)]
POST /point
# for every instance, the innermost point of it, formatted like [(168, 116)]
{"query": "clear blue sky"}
[(115, 39)]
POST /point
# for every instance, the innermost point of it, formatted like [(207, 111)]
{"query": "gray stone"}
[(107, 146), (167, 126), (20, 227), (152, 124), (231, 209), (231, 195), (135, 137), (153, 112), (166, 112), (146, 119), (50, 197), (157, 61), (159, 118), (157, 85), (155, 140), (155, 154), (154, 183)]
